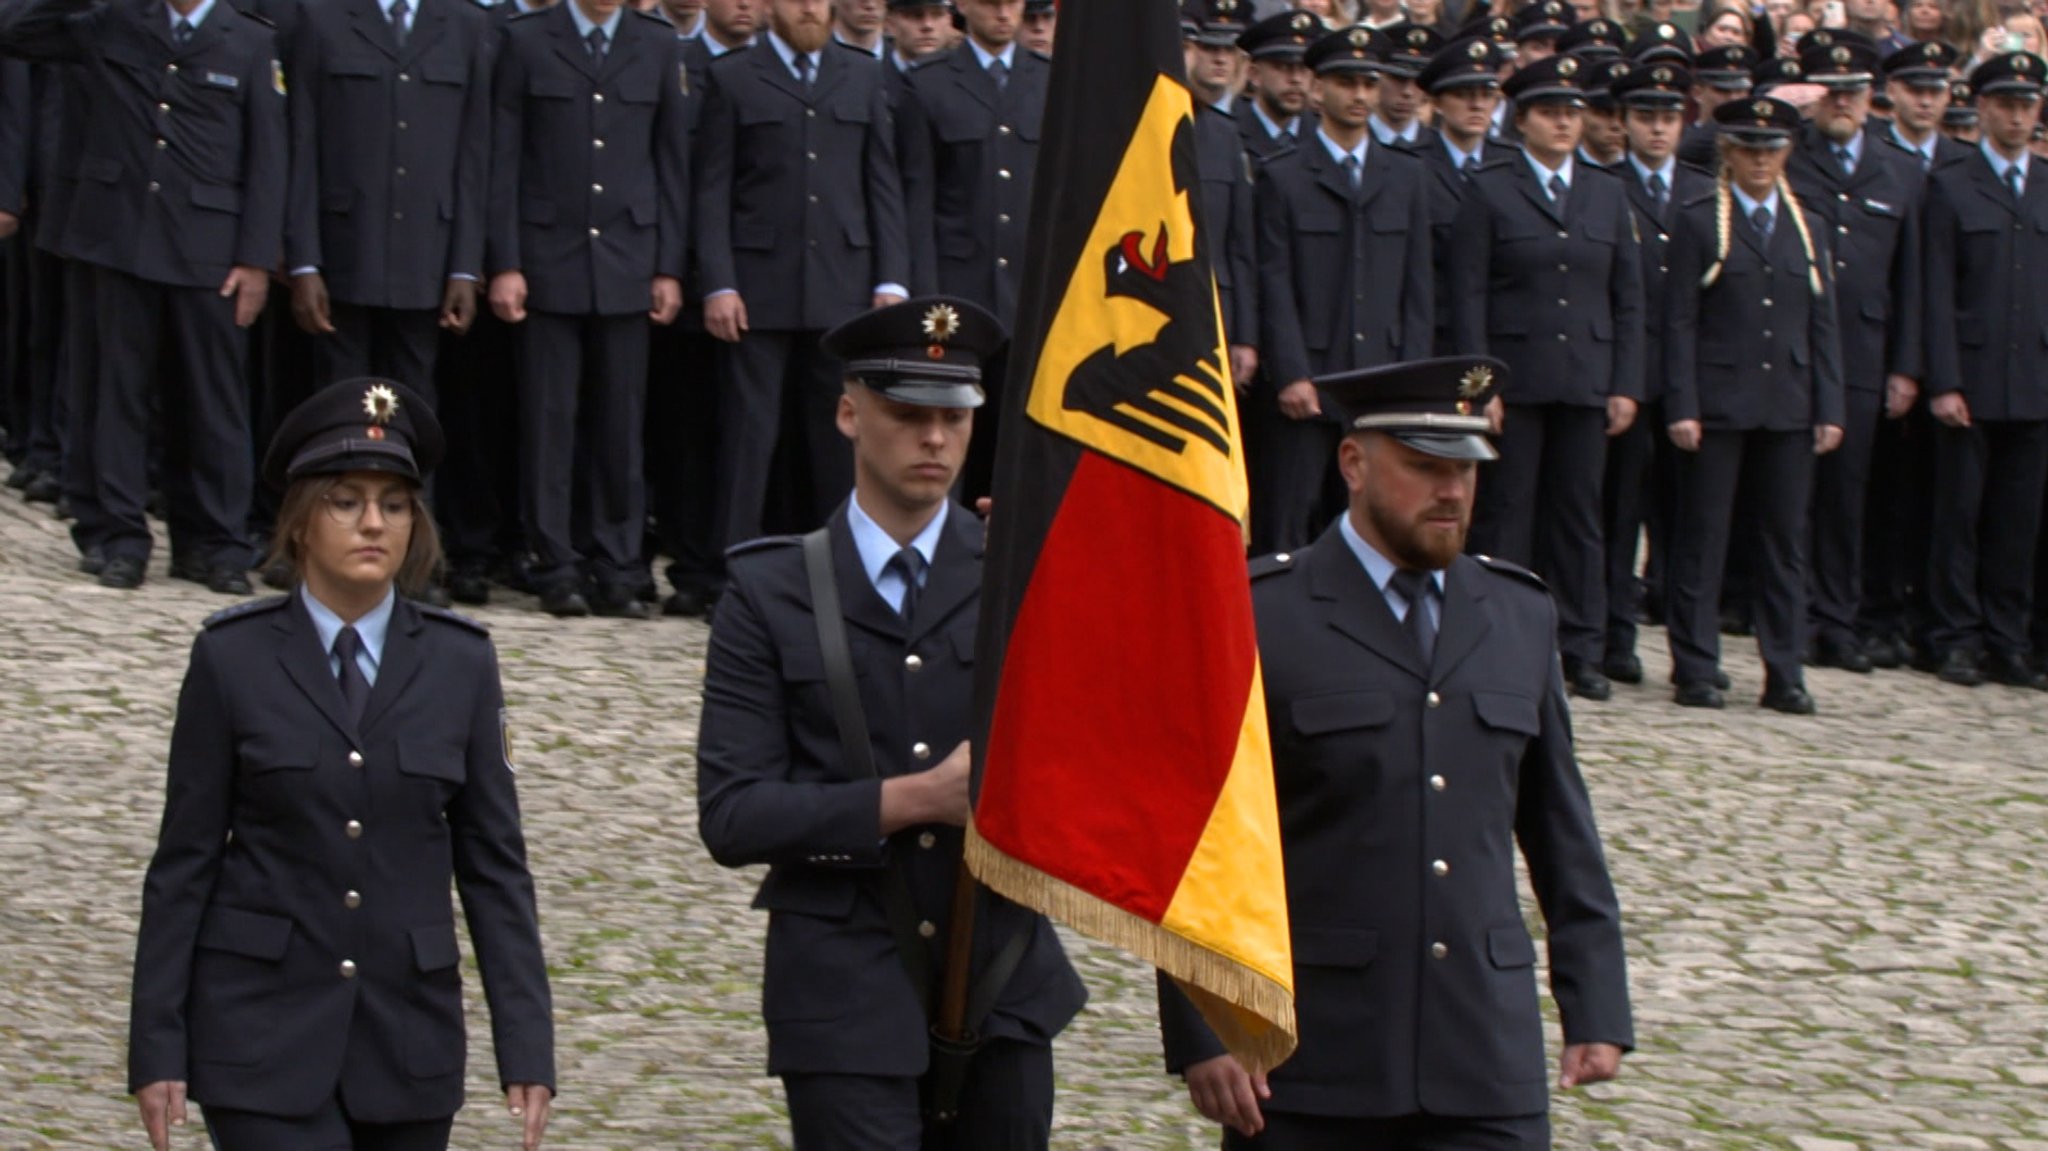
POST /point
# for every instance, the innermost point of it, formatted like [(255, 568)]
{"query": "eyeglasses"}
[(347, 509)]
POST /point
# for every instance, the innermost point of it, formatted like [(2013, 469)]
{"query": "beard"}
[(1840, 129), (806, 37), (1417, 543)]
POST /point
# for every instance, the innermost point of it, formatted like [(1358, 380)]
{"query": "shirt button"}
[(1564, 267), (1002, 262), (348, 969), (598, 144), (1563, 303), (171, 68), (1440, 868), (1433, 699), (1767, 367), (162, 144), (401, 125), (1767, 301), (811, 112), (1843, 229), (1002, 129), (1438, 950), (355, 759), (1003, 218), (927, 841), (814, 199), (1561, 337), (927, 929), (1767, 335), (352, 829), (1437, 783), (921, 750), (1564, 235), (398, 215), (913, 661), (401, 171), (810, 155), (1842, 196), (352, 900)]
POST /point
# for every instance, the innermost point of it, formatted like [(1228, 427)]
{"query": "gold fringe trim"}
[(1251, 1014)]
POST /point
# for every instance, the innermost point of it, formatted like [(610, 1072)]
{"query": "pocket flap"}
[(963, 645), (849, 113), (1342, 711), (433, 948), (445, 68), (857, 233), (443, 762), (1336, 946), (1874, 309), (1500, 709), (354, 66), (1510, 947), (807, 891), (216, 197), (644, 212), (249, 933)]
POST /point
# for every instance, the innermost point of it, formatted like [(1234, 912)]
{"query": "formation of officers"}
[(605, 243)]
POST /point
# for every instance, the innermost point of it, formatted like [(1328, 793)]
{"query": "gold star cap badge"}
[(1478, 50), (941, 323), (1567, 67), (1475, 383), (1661, 75), (1761, 110), (380, 404), (1839, 55)]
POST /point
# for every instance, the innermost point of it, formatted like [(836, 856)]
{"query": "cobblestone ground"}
[(1837, 924)]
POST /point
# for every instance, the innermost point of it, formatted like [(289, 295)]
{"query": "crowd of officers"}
[(606, 241)]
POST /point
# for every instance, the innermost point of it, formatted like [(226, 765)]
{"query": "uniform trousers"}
[(81, 383), (681, 444), (1988, 482), (1637, 494), (35, 344), (1841, 487), (1895, 529), (208, 363), (1287, 1132), (328, 1129), (1295, 488), (1005, 1105), (1774, 470), (582, 400), (394, 343), (477, 502), (761, 377), (1539, 505)]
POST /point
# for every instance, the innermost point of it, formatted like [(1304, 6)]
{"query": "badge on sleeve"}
[(277, 77), (683, 78), (505, 738)]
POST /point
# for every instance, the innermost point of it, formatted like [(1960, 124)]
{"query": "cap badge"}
[(380, 404), (1303, 21), (1567, 67), (1600, 29), (1839, 55), (1418, 37), (1661, 75), (1618, 69), (1666, 32), (1822, 37), (1475, 383), (1360, 37), (1792, 68), (1478, 50), (941, 323), (1226, 7), (2020, 63), (1762, 110)]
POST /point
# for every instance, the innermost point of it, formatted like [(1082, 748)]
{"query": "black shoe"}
[(1790, 698), (1960, 668), (93, 562), (1697, 694), (2014, 671), (613, 601), (18, 479), (123, 572), (516, 572), (1652, 610), (689, 602), (1585, 681), (228, 579), (1735, 623), (1883, 653), (1842, 655), (1623, 668), (469, 587), (43, 489), (63, 509), (564, 601)]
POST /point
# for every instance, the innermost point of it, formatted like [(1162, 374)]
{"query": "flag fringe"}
[(1223, 988)]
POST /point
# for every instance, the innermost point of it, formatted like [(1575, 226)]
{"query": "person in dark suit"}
[(1917, 79), (1720, 75), (1463, 81), (1345, 281), (179, 207), (863, 856), (588, 230), (297, 972), (1546, 274), (1639, 487), (800, 226), (1230, 227), (1398, 118), (1865, 195), (1278, 116), (1753, 364), (918, 31), (1986, 307), (1415, 982)]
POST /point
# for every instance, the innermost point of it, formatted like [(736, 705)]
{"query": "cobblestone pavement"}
[(1837, 924)]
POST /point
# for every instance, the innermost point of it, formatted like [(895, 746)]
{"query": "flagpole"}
[(952, 1022)]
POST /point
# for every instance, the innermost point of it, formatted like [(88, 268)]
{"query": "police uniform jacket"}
[(590, 163), (1699, 145), (57, 130), (1653, 228), (799, 200), (390, 150), (967, 151), (774, 788), (1231, 225), (1345, 278), (181, 173), (1557, 295), (17, 135), (1264, 145), (297, 936), (1404, 790), (1872, 220), (1757, 350), (1987, 290), (1446, 197)]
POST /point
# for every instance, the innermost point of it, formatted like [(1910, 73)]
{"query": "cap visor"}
[(1449, 447), (932, 395)]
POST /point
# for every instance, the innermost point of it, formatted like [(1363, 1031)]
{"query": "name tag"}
[(1880, 206), (222, 80)]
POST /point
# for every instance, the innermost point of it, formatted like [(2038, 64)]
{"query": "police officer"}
[(1547, 275), (1917, 77), (861, 830), (1278, 116), (1537, 29), (1040, 27), (1463, 81), (1227, 202), (1960, 123), (1754, 369), (1593, 40), (918, 30), (1865, 195), (800, 226), (588, 227), (1415, 980), (1345, 281), (1719, 75), (1403, 105), (1639, 486), (1987, 376), (179, 207), (1602, 143), (297, 972)]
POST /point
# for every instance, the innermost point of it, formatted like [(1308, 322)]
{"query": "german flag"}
[(1125, 783)]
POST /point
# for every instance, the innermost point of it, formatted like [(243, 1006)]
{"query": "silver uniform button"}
[(352, 829), (1438, 783), (921, 750), (914, 662), (1440, 868), (1002, 173), (355, 759), (1433, 699), (1438, 950), (927, 929), (927, 841), (352, 901), (348, 969), (597, 96)]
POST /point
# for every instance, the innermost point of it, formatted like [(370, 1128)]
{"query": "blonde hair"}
[(1724, 219), (302, 501)]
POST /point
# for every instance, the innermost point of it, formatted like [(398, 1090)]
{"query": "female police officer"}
[(339, 754)]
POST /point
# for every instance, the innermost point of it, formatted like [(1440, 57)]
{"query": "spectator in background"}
[(1382, 13), (1795, 28), (1923, 20), (1874, 18), (1333, 13), (1727, 27), (1968, 20)]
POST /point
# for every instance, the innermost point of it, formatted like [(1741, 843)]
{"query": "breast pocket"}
[(1339, 712), (1510, 720)]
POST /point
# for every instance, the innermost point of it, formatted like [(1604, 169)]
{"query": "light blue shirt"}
[(878, 547), (1853, 147), (1338, 153), (371, 629), (789, 55), (1544, 174), (1999, 164), (197, 16), (1385, 134), (583, 24), (1288, 129), (1924, 151), (1459, 156), (985, 57), (1643, 172), (881, 45), (1749, 206), (716, 49), (412, 8), (1381, 571)]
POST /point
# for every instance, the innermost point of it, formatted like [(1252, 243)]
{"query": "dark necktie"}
[(909, 564), (2012, 181), (1847, 161), (399, 25), (1558, 190), (1659, 192), (1926, 160), (1470, 165), (1000, 73), (1416, 587), (1761, 221), (804, 74), (355, 688), (1352, 172), (597, 41), (181, 32)]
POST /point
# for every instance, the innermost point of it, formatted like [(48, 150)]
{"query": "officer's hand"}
[(884, 299), (1899, 394), (1621, 414), (163, 1107), (1585, 1063), (668, 300), (458, 305), (1244, 364), (1686, 434), (1826, 438), (529, 1101), (508, 296), (310, 306), (1224, 1092), (725, 316), (1299, 401), (248, 287), (9, 224), (1496, 415), (1951, 409), (935, 796)]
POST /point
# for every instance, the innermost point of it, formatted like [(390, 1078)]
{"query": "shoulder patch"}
[(765, 543), (1515, 571), (454, 617), (254, 607), (1264, 566)]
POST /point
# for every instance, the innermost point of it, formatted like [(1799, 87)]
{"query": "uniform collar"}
[(1274, 128), (1385, 134), (1669, 171), (878, 51), (1377, 567), (1459, 156), (371, 629), (789, 55), (198, 15), (1999, 163), (584, 25), (1544, 174), (878, 547), (1337, 152), (1925, 151), (716, 48), (982, 56), (1768, 203)]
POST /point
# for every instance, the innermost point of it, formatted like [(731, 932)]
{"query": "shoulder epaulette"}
[(1278, 562), (1706, 197), (254, 607), (454, 617), (649, 16), (266, 21), (1515, 570), (765, 543), (928, 61), (1045, 56), (518, 16)]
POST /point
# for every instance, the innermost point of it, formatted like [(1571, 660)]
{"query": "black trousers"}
[(681, 445), (1296, 490), (135, 317), (764, 376), (1285, 1132), (1775, 472), (36, 344), (81, 384), (476, 501), (1841, 487), (1540, 506), (1638, 494), (328, 1129), (1896, 524), (582, 400), (1006, 1105), (395, 344), (1988, 481)]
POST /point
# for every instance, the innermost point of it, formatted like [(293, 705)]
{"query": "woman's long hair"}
[(1724, 231), (303, 500)]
